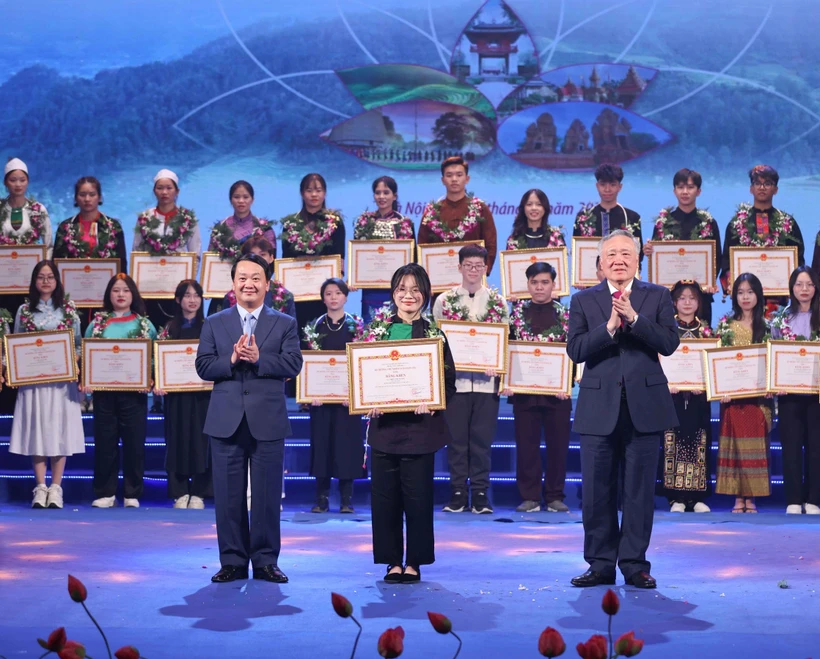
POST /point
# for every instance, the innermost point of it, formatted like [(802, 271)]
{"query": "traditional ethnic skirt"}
[(743, 464), (685, 465)]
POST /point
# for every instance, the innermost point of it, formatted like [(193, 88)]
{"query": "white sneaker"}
[(196, 503), (701, 507), (104, 502), (132, 503), (40, 495), (55, 496), (182, 502), (794, 509), (812, 509), (678, 507)]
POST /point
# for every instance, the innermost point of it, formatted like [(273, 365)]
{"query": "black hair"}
[(683, 176), (608, 173), (540, 268), (520, 221), (764, 172), (137, 303), (758, 321), (261, 243), (340, 283), (681, 286), (390, 182), (422, 281), (304, 184), (174, 326), (452, 161), (253, 258), (240, 184), (598, 262), (794, 305), (82, 181), (471, 252), (58, 296)]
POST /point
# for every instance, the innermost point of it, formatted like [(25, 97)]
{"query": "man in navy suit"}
[(248, 351), (617, 329)]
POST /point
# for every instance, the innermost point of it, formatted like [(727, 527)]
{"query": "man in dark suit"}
[(248, 351), (617, 329)]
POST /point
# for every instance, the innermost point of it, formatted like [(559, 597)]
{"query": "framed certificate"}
[(157, 276), (535, 367), (514, 263), (304, 276), (739, 372), (371, 263), (175, 367), (672, 261), (441, 262), (16, 265), (793, 367), (85, 280), (40, 357), (477, 347), (323, 377), (116, 364), (396, 376), (684, 367), (216, 275), (584, 255), (771, 265)]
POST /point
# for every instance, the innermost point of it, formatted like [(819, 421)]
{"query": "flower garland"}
[(725, 332), (524, 332), (101, 319), (379, 327), (556, 238), (453, 309), (303, 240), (180, 225), (6, 322), (780, 322), (80, 249), (355, 325), (69, 316), (365, 226), (587, 222), (668, 228), (230, 248), (36, 219), (432, 218), (780, 227)]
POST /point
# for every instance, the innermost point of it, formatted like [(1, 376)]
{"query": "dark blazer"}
[(410, 433), (241, 389), (630, 359)]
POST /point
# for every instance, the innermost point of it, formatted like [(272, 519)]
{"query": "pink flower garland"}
[(365, 223), (105, 229), (781, 224), (523, 331), (181, 225), (556, 239), (432, 218), (32, 235), (303, 240), (703, 230), (69, 314)]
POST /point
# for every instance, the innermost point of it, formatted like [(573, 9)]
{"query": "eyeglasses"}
[(46, 279), (763, 184), (473, 268), (804, 284)]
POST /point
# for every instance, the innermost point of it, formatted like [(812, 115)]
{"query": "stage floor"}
[(500, 578)]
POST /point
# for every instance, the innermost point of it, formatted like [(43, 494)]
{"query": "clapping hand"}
[(250, 351), (624, 307)]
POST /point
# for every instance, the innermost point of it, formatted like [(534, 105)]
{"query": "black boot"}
[(346, 492), (322, 492)]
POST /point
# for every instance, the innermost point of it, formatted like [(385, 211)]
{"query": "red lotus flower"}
[(440, 623), (127, 652), (627, 645), (76, 589), (56, 640), (610, 604), (341, 605), (551, 643), (594, 648), (72, 650), (391, 642)]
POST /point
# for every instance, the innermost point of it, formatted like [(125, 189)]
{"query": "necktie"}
[(616, 295), (604, 223), (250, 325)]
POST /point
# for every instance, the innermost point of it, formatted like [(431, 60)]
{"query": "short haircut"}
[(472, 252), (418, 273), (240, 184), (261, 243), (765, 173), (684, 175), (540, 268), (619, 232), (335, 281), (608, 173), (455, 160), (90, 180), (253, 258)]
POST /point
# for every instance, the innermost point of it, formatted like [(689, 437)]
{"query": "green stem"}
[(609, 633), (459, 643), (358, 636), (41, 656), (102, 633)]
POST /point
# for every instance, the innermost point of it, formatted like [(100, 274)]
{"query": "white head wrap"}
[(166, 173), (15, 164)]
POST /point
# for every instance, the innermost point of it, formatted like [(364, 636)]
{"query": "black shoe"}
[(642, 580), (322, 505), (458, 502), (395, 577), (411, 578), (593, 578), (230, 573), (346, 507), (270, 573), (481, 504)]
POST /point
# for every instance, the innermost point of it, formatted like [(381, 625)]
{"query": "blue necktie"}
[(250, 325)]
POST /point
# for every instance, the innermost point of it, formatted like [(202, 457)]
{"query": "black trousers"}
[(472, 418), (551, 415), (601, 460), (238, 540), (799, 426), (119, 415), (402, 486), (198, 485)]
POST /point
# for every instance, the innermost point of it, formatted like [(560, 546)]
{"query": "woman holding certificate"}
[(404, 444), (186, 446), (335, 435), (385, 223), (799, 414), (743, 462), (120, 415), (47, 419)]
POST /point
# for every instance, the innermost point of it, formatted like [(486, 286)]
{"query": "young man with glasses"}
[(472, 414)]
